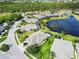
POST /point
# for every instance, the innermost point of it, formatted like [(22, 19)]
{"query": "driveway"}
[(14, 52)]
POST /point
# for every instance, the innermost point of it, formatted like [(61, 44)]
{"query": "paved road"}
[(14, 52)]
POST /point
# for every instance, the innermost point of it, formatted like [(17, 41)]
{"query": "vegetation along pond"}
[(69, 25)]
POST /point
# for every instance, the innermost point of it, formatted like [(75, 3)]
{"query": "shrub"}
[(4, 48), (9, 17), (34, 49), (3, 38)]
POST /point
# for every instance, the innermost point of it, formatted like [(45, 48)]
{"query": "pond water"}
[(69, 25)]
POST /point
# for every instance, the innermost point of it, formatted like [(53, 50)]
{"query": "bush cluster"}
[(35, 6), (9, 17)]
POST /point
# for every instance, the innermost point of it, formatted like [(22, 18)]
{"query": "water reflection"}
[(69, 25)]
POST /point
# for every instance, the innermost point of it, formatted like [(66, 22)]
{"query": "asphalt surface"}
[(14, 52)]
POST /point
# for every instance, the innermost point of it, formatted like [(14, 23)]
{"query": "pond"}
[(69, 25)]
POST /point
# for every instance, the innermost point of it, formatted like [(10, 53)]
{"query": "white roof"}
[(76, 12), (39, 16), (62, 49), (29, 27), (22, 14), (31, 20), (36, 38), (56, 14)]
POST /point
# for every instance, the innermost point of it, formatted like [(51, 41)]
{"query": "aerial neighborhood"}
[(39, 29)]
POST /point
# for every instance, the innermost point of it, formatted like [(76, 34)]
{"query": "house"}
[(29, 27), (23, 14), (76, 13), (36, 38), (3, 27), (63, 49), (31, 20), (39, 16), (56, 14)]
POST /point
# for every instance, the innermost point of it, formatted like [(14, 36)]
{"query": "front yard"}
[(3, 36), (23, 35), (42, 51)]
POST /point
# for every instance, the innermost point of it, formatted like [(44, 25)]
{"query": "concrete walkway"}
[(14, 52)]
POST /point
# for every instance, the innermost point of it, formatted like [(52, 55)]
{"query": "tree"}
[(4, 48)]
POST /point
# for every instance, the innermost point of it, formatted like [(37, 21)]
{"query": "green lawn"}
[(3, 36), (9, 17), (42, 51), (23, 35), (70, 38), (45, 29), (22, 23)]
